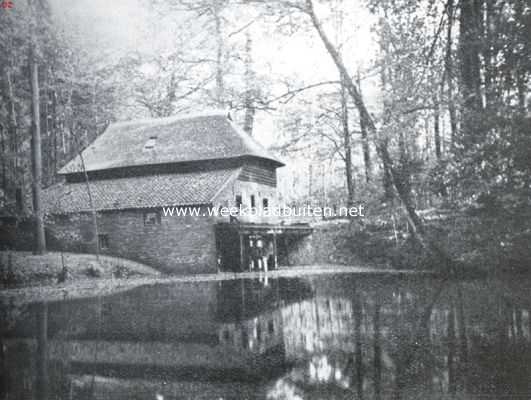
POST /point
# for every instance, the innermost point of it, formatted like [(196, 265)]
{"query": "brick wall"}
[(176, 245)]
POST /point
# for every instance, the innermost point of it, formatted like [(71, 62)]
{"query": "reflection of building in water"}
[(250, 312), (304, 325), (257, 334), (200, 340)]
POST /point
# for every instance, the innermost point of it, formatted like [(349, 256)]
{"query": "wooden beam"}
[(286, 249)]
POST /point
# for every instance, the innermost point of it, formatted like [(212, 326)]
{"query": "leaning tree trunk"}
[(347, 146)]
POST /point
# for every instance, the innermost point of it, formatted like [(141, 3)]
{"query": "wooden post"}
[(287, 249), (241, 251), (275, 264), (92, 209)]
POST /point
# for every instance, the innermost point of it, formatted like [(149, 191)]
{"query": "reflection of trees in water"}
[(404, 342)]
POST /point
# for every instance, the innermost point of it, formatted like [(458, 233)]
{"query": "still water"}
[(335, 337)]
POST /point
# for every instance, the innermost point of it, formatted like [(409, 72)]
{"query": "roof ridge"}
[(173, 118)]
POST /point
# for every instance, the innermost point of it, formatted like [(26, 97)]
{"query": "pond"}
[(333, 337)]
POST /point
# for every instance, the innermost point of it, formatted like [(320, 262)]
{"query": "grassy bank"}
[(21, 269), (475, 246)]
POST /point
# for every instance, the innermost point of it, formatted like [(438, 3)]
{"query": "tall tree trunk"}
[(469, 52), (449, 72), (365, 142), (54, 130), (249, 91), (437, 127), (220, 84), (13, 142), (47, 141), (3, 137), (387, 181), (36, 152), (347, 145), (487, 56)]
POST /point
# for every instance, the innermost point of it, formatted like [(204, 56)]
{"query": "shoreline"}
[(105, 286)]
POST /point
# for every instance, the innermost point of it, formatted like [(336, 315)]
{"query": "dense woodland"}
[(431, 130)]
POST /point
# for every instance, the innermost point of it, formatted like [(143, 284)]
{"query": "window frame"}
[(103, 241)]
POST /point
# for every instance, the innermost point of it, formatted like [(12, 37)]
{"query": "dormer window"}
[(150, 144)]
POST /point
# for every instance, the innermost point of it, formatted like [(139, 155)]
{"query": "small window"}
[(265, 203), (103, 241), (238, 200), (150, 144), (152, 218)]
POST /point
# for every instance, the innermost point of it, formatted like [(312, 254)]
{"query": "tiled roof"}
[(176, 139), (138, 192)]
